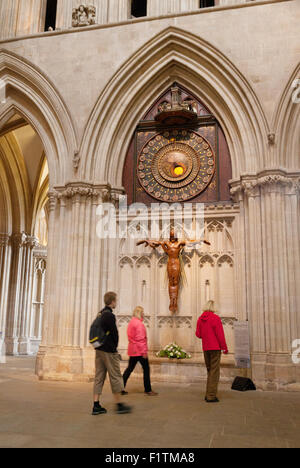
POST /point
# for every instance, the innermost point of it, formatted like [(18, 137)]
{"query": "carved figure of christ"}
[(173, 249)]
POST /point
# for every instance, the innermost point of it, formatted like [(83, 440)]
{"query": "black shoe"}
[(124, 393), (216, 400), (98, 410), (123, 409)]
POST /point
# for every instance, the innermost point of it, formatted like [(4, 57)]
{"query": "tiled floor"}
[(54, 414)]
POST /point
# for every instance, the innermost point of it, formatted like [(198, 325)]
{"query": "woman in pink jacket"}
[(210, 330), (138, 349)]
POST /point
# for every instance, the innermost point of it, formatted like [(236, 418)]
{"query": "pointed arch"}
[(286, 125), (30, 93), (17, 193), (173, 55)]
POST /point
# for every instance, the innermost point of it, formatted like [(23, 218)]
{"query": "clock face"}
[(176, 165)]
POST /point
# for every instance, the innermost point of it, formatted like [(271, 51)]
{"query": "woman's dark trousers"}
[(146, 368)]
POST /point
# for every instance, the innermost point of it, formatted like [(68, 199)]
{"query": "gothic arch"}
[(286, 125), (30, 94), (13, 171), (173, 55)]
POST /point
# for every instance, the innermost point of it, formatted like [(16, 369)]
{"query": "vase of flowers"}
[(173, 351)]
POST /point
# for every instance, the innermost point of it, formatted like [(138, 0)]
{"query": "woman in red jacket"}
[(138, 349), (210, 330)]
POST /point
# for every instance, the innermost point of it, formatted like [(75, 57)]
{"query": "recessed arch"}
[(17, 194), (174, 55), (286, 125), (29, 93)]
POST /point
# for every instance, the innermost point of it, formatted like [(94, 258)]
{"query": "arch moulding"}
[(173, 55)]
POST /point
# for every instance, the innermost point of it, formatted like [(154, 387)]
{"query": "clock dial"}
[(176, 166)]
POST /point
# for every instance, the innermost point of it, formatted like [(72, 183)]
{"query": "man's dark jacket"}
[(108, 323)]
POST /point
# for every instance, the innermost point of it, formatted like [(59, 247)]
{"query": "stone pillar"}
[(19, 305), (64, 14), (119, 10), (5, 257), (72, 283), (189, 5), (272, 234), (21, 17)]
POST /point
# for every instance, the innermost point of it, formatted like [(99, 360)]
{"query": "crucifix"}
[(173, 248)]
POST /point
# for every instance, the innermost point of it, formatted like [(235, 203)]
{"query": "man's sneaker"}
[(98, 410), (124, 393), (216, 400), (123, 409), (151, 393)]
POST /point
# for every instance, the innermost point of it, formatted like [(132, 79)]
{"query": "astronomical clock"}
[(178, 154)]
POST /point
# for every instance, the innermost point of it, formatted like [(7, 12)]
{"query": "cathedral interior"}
[(159, 102)]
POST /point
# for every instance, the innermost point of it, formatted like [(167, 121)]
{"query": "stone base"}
[(269, 372), (275, 372), (19, 347)]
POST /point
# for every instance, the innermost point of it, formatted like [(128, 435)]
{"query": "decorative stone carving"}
[(4, 240), (183, 322), (126, 261), (225, 259), (177, 322), (143, 261), (271, 138), (177, 111), (123, 321), (84, 16), (251, 187), (76, 160), (229, 321), (206, 259)]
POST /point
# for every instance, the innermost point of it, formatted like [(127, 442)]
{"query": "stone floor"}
[(37, 414)]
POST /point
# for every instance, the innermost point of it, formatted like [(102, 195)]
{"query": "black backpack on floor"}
[(98, 336), (242, 384)]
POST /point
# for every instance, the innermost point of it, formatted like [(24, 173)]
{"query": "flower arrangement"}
[(173, 351)]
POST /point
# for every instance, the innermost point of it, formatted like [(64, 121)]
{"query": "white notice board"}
[(242, 345)]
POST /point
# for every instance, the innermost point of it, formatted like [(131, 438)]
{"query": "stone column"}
[(119, 10), (189, 5), (19, 305), (64, 14), (271, 216), (72, 283), (5, 258), (21, 17)]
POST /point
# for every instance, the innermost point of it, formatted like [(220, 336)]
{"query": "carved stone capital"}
[(19, 240), (4, 240), (266, 181), (32, 242)]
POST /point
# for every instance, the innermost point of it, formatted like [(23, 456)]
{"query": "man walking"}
[(210, 330), (108, 359)]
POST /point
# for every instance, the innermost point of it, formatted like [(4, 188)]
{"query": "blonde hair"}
[(138, 312), (210, 305)]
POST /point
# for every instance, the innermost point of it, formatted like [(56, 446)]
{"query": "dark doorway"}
[(51, 10), (206, 3), (138, 8)]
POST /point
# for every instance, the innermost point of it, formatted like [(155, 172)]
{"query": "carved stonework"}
[(206, 259), (171, 322), (126, 261), (225, 259), (123, 321), (229, 321), (4, 240), (266, 180), (79, 192), (84, 15), (271, 138), (143, 261)]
